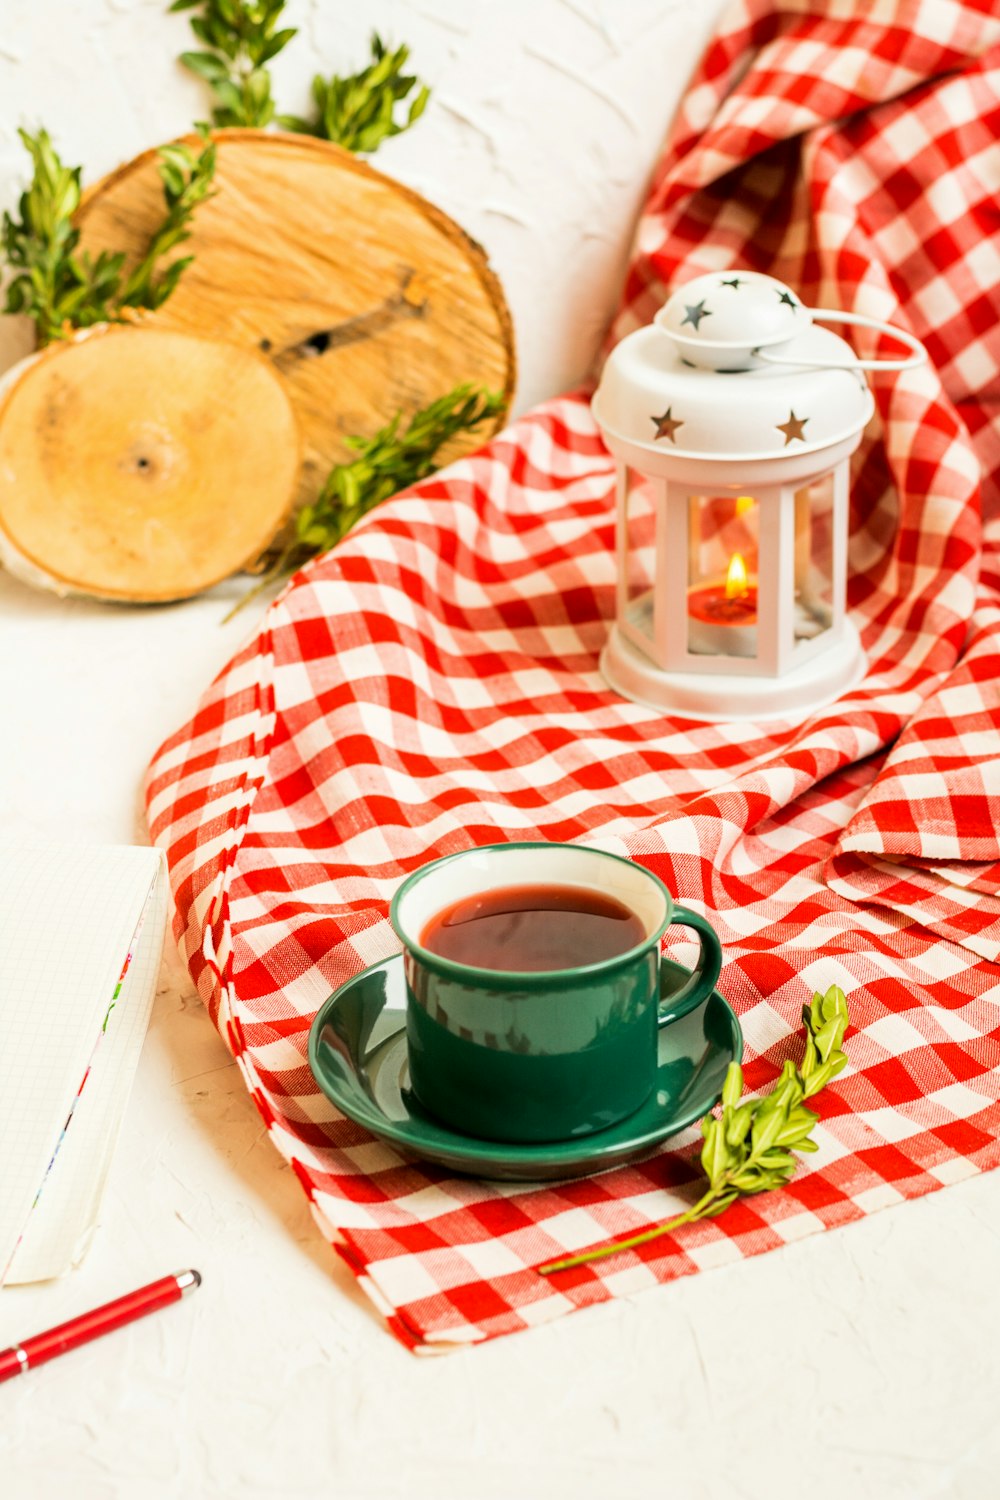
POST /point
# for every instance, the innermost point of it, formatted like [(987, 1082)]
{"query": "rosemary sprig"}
[(386, 463), (240, 38), (358, 111), (749, 1148), (62, 288)]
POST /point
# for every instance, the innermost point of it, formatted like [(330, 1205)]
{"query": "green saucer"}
[(357, 1052)]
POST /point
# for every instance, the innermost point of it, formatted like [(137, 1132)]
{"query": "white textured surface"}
[(860, 1363), (545, 121)]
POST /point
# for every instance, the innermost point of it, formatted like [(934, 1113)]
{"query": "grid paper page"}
[(68, 916)]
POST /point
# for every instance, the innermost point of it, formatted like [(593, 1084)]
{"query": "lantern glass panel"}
[(814, 536), (639, 562), (722, 574)]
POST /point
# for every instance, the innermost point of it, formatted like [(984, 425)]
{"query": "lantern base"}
[(794, 695)]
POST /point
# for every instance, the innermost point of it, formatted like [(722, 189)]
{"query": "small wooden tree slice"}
[(367, 298), (142, 464)]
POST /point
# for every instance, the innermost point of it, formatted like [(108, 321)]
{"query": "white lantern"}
[(732, 419)]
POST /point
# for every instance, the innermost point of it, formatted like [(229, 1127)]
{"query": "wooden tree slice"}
[(367, 298), (142, 464)]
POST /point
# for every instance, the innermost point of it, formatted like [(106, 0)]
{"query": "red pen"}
[(20, 1358)]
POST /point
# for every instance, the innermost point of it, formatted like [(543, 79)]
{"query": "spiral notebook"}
[(81, 936)]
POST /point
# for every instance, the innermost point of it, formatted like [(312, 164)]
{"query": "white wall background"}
[(544, 125)]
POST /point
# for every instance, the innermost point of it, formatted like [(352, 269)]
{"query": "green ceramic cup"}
[(518, 1056)]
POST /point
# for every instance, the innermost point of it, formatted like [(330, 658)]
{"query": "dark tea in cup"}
[(533, 928)]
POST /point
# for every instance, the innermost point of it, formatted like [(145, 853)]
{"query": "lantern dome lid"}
[(727, 401), (720, 320)]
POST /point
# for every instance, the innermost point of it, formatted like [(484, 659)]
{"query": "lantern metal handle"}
[(826, 315)]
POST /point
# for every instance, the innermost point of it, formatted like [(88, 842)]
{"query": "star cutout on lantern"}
[(787, 299), (667, 425), (793, 428), (694, 315), (734, 281)]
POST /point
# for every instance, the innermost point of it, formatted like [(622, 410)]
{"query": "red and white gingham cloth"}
[(433, 684)]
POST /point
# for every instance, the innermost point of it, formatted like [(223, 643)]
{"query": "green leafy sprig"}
[(62, 288), (187, 181), (386, 463), (359, 111), (749, 1147), (240, 37)]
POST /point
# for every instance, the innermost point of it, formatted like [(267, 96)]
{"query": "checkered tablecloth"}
[(433, 684)]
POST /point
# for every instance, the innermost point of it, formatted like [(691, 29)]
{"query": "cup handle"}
[(703, 976)]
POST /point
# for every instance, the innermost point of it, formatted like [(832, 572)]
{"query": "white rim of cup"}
[(509, 976)]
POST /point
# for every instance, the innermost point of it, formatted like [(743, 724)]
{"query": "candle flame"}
[(736, 578)]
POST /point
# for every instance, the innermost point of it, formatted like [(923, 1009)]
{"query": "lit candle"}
[(723, 615)]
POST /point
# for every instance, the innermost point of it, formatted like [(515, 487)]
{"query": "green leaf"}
[(276, 44), (810, 1057), (419, 105), (818, 1079), (752, 1180), (777, 1159), (231, 99), (827, 1038), (297, 124), (797, 1127), (714, 1155), (766, 1128), (206, 64), (732, 1088), (738, 1123), (258, 88), (172, 178)]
